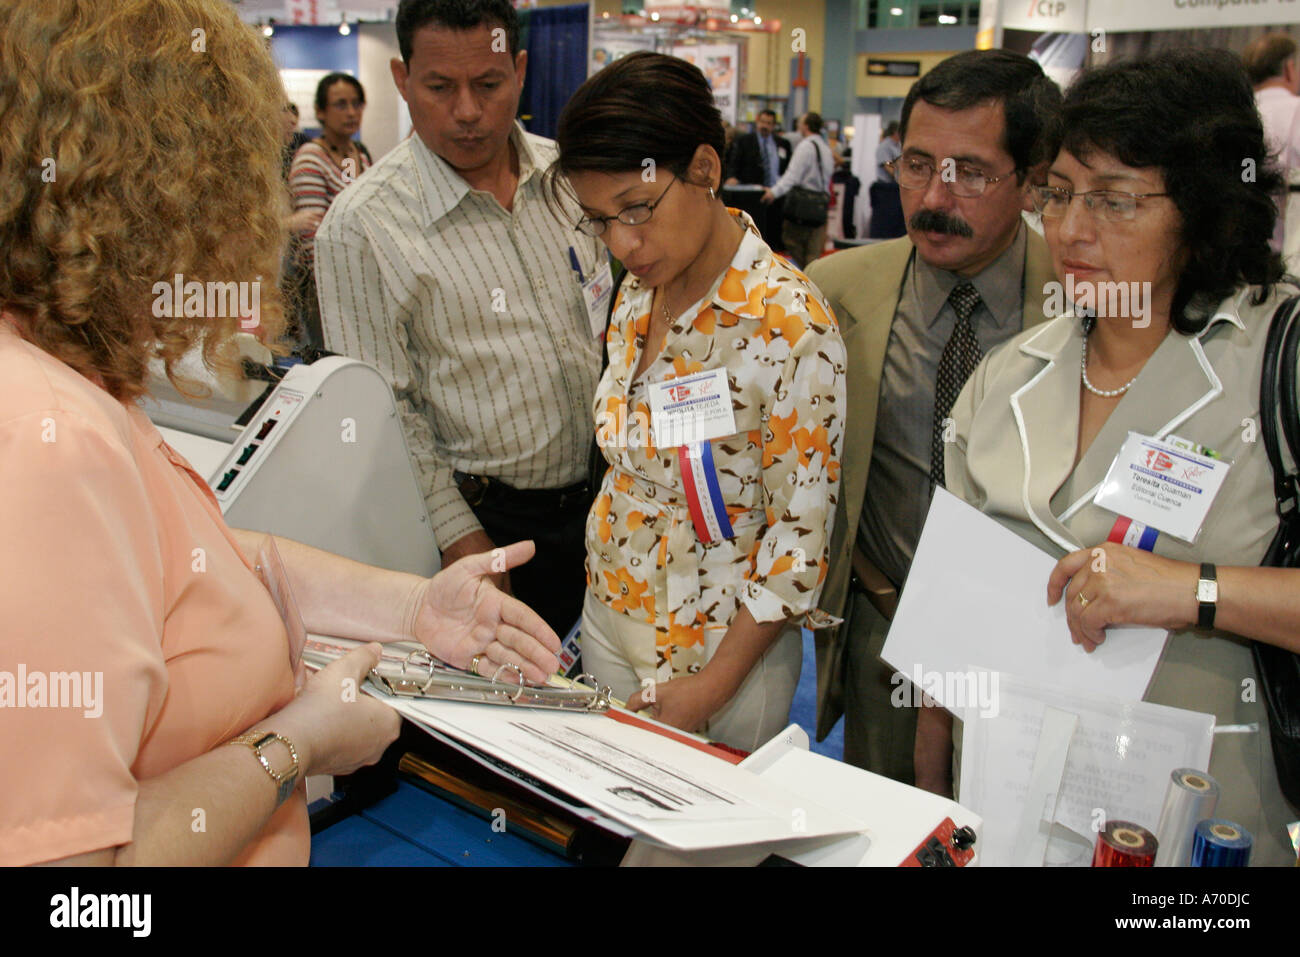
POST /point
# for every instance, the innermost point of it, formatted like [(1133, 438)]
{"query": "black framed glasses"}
[(1110, 205), (961, 179), (634, 215)]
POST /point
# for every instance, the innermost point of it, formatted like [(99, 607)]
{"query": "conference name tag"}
[(595, 293), (1162, 484), (694, 408)]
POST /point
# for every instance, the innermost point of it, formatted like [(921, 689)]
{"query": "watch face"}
[(1207, 591)]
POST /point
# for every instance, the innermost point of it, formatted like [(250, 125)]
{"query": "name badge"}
[(694, 408), (596, 292), (1163, 484)]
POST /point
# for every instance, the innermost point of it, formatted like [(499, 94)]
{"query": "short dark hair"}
[(413, 15), (813, 121), (771, 113), (1266, 57), (1191, 114), (323, 89), (642, 106), (1031, 101), (890, 128)]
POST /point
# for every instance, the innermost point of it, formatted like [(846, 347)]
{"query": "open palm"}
[(463, 614)]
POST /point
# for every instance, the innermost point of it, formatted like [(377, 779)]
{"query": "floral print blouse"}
[(769, 327)]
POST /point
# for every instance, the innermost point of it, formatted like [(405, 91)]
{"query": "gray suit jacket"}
[(863, 288), (1014, 459)]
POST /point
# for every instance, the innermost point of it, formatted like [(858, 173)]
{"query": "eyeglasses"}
[(1110, 205), (634, 215), (963, 180)]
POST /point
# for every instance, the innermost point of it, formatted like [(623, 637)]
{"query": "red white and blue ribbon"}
[(703, 494), (1133, 534)]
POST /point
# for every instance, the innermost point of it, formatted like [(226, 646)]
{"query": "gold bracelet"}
[(284, 782)]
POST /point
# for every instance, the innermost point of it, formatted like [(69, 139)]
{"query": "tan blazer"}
[(1013, 458), (863, 287)]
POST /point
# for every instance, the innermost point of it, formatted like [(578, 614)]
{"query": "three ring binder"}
[(423, 676)]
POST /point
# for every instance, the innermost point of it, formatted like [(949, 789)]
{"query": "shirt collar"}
[(442, 188), (1000, 285)]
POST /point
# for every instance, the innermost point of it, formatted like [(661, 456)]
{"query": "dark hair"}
[(323, 88), (1031, 102), (1191, 114), (642, 106), (771, 113), (413, 15), (890, 128), (814, 122), (1265, 57)]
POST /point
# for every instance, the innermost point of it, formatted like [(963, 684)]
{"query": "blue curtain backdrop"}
[(556, 41)]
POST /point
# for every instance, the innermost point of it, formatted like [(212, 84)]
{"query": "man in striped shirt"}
[(444, 267)]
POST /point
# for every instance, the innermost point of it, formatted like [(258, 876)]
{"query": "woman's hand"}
[(462, 614), (334, 725), (687, 702), (1122, 586)]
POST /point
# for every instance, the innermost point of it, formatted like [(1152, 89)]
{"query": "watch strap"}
[(1206, 609)]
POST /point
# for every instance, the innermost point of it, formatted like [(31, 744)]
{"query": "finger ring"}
[(1083, 601), (473, 663)]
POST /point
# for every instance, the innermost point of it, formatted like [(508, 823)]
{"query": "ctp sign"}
[(1044, 16)]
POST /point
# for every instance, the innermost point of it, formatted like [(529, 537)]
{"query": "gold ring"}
[(473, 664), (1083, 602)]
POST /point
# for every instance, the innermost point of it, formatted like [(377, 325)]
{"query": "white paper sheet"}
[(977, 593), (1120, 759)]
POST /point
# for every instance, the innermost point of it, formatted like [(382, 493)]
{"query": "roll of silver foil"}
[(1191, 798)]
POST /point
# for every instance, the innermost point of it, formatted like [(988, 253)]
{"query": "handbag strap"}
[(609, 317), (1280, 342), (820, 175)]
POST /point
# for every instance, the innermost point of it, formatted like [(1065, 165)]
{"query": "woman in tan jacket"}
[(1147, 197)]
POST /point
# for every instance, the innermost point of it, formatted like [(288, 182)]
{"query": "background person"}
[(692, 616), (322, 168), (758, 158), (999, 115), (886, 205), (1147, 188), (810, 167), (115, 557), (1273, 70)]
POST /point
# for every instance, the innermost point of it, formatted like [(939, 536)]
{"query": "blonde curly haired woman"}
[(139, 139)]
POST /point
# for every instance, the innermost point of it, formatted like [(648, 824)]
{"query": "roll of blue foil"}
[(1220, 843)]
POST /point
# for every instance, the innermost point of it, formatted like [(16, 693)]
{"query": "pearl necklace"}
[(1104, 393)]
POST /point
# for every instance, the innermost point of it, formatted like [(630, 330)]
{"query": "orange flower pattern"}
[(769, 327)]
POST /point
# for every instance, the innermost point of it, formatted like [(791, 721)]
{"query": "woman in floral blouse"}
[(707, 543)]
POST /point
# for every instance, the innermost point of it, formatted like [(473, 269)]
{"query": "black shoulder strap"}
[(1282, 341), (609, 317)]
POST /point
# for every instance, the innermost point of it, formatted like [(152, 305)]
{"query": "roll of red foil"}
[(1123, 844)]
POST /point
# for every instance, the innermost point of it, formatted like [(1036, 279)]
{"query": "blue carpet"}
[(803, 710)]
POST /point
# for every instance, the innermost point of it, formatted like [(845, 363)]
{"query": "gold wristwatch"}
[(285, 781)]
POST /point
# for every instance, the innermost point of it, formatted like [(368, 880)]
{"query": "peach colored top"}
[(114, 560)]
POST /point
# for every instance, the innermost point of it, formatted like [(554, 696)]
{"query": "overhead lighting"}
[(344, 28), (895, 11), (947, 18), (655, 17), (735, 19), (757, 19), (268, 31)]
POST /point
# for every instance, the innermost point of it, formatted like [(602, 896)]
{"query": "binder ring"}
[(602, 694), (427, 661), (517, 670)]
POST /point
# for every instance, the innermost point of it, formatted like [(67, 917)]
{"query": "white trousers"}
[(620, 652)]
